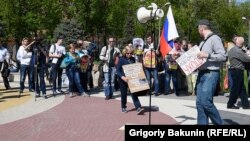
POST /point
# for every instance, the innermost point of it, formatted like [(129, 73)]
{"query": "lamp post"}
[(248, 22)]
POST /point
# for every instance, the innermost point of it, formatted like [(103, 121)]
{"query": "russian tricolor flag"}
[(169, 32)]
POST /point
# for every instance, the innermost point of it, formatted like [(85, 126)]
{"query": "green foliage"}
[(118, 17), (70, 29)]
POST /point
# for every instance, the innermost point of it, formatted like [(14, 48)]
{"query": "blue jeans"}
[(206, 87), (25, 69), (109, 79), (154, 72), (168, 75), (74, 78)]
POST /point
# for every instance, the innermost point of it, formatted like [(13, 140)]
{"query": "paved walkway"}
[(93, 118)]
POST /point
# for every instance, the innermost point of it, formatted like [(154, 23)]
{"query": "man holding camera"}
[(37, 67)]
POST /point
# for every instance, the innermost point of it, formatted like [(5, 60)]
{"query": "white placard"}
[(189, 61), (136, 78)]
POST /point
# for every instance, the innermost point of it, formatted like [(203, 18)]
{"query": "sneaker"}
[(44, 96), (55, 92), (60, 91), (88, 94), (37, 94), (139, 111), (233, 107), (83, 94), (124, 110), (107, 98), (70, 94), (31, 90), (8, 88), (246, 107)]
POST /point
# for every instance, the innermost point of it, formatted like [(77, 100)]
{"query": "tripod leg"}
[(52, 90)]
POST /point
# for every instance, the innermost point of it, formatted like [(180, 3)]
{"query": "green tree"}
[(70, 29)]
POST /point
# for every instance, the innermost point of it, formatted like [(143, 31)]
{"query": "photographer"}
[(37, 66)]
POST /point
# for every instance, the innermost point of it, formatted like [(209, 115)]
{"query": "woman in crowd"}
[(73, 59), (125, 60)]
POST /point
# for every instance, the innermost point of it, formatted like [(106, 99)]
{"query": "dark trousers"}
[(238, 88), (5, 80), (84, 80), (39, 81), (56, 74), (124, 94), (90, 77)]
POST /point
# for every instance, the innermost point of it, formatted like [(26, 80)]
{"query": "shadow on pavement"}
[(230, 122), (2, 100), (185, 118), (14, 96)]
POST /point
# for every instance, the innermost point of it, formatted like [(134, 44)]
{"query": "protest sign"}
[(189, 61), (136, 77)]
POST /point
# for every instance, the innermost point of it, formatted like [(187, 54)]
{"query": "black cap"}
[(204, 22)]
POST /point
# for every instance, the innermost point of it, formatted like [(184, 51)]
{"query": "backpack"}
[(50, 59), (59, 60)]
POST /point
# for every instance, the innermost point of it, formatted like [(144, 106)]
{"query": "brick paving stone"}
[(79, 119)]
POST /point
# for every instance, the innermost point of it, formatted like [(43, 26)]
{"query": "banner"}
[(136, 77), (189, 61)]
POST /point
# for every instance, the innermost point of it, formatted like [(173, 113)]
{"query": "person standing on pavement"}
[(238, 58), (4, 61), (73, 70), (57, 52), (107, 55), (211, 49), (24, 55), (38, 66), (150, 63), (123, 81)]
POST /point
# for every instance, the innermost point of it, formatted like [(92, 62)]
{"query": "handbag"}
[(64, 64), (5, 69), (6, 72)]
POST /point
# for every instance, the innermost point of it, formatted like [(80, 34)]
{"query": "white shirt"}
[(4, 54), (57, 51), (24, 55)]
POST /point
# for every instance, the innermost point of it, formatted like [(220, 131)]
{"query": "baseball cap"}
[(204, 22)]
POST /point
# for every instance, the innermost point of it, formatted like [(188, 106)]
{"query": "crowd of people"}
[(203, 82)]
